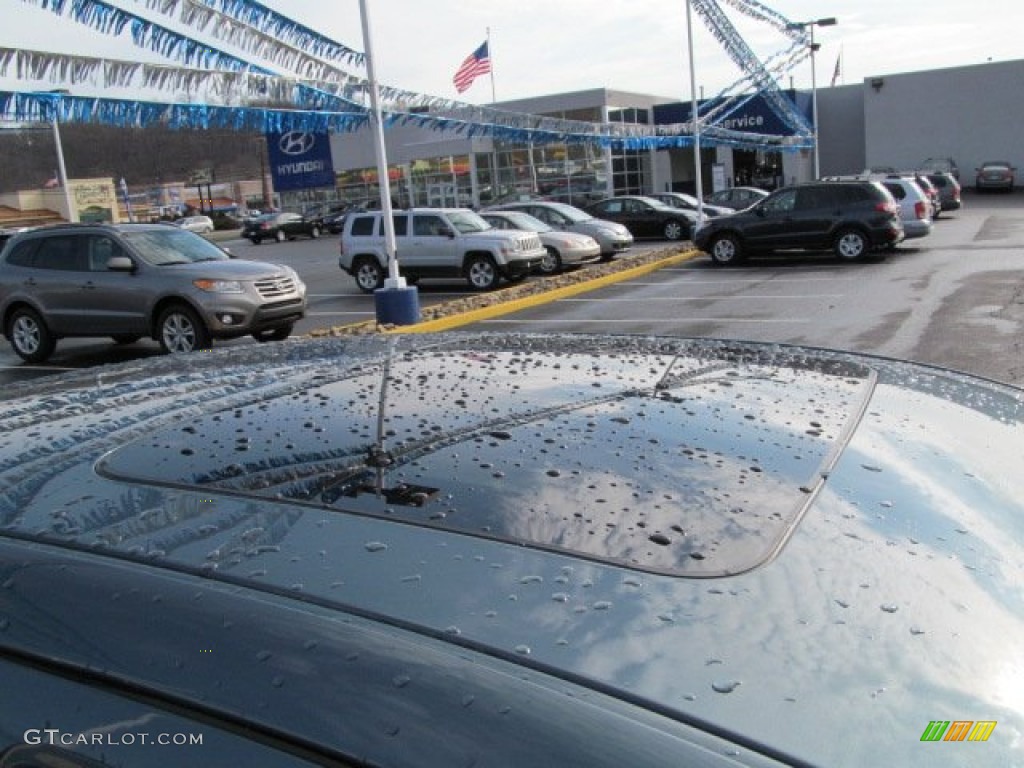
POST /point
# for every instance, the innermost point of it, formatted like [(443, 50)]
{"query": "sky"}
[(544, 47)]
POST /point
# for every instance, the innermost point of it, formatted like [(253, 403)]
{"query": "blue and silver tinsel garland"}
[(324, 96)]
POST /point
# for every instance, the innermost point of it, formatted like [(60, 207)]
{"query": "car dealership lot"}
[(954, 298)]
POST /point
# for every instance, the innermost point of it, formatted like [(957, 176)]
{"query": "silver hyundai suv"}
[(128, 281)]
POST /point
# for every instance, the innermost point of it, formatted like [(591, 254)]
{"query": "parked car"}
[(689, 203), (437, 242), (129, 281), (7, 234), (513, 550), (853, 218), (915, 207), (940, 165), (737, 198), (201, 225), (564, 249), (611, 236), (645, 216), (949, 190), (930, 191), (281, 227), (995, 174), (335, 222)]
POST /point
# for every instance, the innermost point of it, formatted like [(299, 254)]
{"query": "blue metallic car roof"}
[(860, 519)]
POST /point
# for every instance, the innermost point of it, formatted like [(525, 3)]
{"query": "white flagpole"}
[(495, 186), (490, 54), (696, 125)]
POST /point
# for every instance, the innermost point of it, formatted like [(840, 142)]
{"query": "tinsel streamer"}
[(128, 113)]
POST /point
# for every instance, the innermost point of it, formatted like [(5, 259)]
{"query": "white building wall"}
[(971, 114)]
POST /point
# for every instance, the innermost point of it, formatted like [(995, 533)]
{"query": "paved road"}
[(954, 299)]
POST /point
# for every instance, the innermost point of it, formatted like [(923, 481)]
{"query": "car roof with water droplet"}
[(685, 464), (717, 528)]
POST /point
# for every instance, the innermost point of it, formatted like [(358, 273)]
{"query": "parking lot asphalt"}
[(477, 308)]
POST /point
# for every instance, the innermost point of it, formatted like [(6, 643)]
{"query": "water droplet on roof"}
[(725, 686)]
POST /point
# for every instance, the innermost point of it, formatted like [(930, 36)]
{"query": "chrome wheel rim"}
[(178, 333), (26, 335)]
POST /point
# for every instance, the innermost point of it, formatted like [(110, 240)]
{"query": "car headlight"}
[(218, 286)]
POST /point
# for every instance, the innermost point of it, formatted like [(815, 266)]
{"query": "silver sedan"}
[(564, 249)]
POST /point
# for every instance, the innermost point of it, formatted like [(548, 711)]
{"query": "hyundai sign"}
[(300, 160)]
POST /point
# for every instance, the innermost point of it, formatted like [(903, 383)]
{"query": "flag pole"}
[(490, 54), (495, 185)]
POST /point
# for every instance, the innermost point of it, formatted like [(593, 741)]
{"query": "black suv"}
[(850, 217)]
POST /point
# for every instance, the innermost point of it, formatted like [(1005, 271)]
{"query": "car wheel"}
[(274, 334), (551, 263), (30, 338), (725, 249), (125, 338), (481, 273), (255, 240), (673, 230), (369, 275), (280, 236), (314, 232), (850, 244), (180, 330)]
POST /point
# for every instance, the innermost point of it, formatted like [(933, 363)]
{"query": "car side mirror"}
[(228, 252), (120, 264), (449, 233)]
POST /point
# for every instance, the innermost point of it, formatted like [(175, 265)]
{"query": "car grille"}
[(273, 287), (529, 243)]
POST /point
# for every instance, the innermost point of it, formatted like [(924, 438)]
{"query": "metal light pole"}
[(62, 174), (396, 302), (826, 22), (698, 181)]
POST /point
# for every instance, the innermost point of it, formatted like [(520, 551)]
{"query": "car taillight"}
[(887, 208), (920, 210)]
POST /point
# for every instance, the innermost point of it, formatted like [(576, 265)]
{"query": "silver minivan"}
[(129, 281)]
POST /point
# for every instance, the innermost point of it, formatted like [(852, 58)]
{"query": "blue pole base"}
[(397, 306)]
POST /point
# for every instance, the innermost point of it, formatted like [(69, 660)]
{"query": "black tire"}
[(551, 263), (126, 338), (369, 275), (280, 236), (482, 273), (179, 330), (274, 334), (314, 232), (725, 249), (30, 338), (256, 240), (674, 230), (851, 244)]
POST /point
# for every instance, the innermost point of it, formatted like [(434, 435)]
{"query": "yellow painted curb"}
[(499, 308), (506, 307)]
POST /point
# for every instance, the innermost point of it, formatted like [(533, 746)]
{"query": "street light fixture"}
[(829, 21)]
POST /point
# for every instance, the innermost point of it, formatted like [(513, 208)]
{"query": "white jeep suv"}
[(437, 242)]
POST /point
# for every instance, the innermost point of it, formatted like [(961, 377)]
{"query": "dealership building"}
[(971, 114)]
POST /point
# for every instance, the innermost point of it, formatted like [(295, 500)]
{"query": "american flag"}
[(476, 64)]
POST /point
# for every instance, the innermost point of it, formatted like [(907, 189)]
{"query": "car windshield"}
[(655, 203), (527, 222), (467, 221), (165, 246), (570, 212)]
